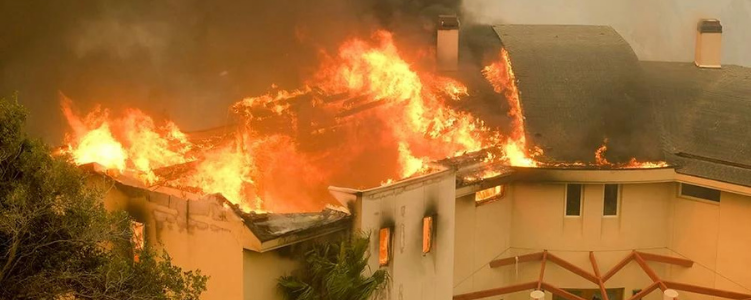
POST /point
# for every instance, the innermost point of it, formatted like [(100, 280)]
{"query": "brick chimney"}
[(708, 43), (447, 49)]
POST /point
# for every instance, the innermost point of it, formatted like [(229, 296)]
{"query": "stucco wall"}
[(482, 234), (403, 206), (531, 218), (716, 237), (196, 234), (261, 272)]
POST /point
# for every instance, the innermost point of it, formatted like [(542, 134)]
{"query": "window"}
[(610, 200), (699, 192), (137, 239), (427, 234), (573, 199), (384, 246), (488, 195)]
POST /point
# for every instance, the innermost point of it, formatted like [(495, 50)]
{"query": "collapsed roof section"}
[(258, 232)]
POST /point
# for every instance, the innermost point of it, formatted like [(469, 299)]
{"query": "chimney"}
[(447, 49), (708, 42)]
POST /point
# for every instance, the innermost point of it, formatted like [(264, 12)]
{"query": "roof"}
[(272, 230), (581, 84), (271, 226), (705, 115)]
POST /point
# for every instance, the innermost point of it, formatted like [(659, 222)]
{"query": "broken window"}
[(138, 238), (610, 205), (384, 246), (700, 192), (573, 199), (490, 194), (427, 234)]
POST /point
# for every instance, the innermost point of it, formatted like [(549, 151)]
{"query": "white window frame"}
[(492, 198), (619, 196), (581, 201), (687, 197)]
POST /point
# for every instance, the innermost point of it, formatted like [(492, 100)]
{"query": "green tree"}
[(57, 241), (334, 271)]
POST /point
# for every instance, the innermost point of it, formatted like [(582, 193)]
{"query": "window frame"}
[(138, 239), (389, 246), (428, 234), (618, 197), (689, 197), (493, 198), (581, 201)]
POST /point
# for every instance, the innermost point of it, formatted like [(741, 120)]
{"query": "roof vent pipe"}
[(708, 43), (447, 48)]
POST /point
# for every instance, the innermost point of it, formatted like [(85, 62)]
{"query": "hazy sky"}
[(662, 30)]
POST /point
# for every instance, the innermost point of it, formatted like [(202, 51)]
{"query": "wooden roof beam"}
[(651, 273), (560, 292), (542, 269), (666, 259), (645, 291), (596, 269), (618, 267), (511, 260), (498, 291), (706, 291), (574, 269)]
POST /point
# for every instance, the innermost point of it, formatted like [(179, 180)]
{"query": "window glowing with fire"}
[(384, 246), (490, 194), (138, 238), (427, 234)]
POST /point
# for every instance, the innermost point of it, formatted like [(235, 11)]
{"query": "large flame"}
[(501, 75), (130, 142), (364, 116), (365, 105)]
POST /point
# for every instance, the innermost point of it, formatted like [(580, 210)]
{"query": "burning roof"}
[(268, 231), (365, 116)]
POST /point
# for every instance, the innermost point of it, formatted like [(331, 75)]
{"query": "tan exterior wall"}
[(483, 233), (717, 237), (538, 222), (414, 276), (197, 234), (652, 218), (261, 272)]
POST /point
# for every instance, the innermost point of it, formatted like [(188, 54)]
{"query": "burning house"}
[(532, 158)]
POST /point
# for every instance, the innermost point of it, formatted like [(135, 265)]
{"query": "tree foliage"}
[(57, 241), (333, 271)]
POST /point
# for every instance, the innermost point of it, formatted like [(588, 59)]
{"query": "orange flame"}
[(129, 142), (600, 154), (366, 108), (501, 75), (633, 163)]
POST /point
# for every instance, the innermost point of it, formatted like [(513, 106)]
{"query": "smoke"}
[(185, 60), (656, 30)]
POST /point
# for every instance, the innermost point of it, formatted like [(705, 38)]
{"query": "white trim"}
[(618, 197), (565, 201), (687, 197)]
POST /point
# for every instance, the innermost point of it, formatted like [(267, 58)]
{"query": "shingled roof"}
[(705, 116), (580, 84)]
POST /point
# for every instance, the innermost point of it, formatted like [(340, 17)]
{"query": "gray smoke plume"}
[(186, 60)]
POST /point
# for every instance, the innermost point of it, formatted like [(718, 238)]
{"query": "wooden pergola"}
[(597, 277)]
